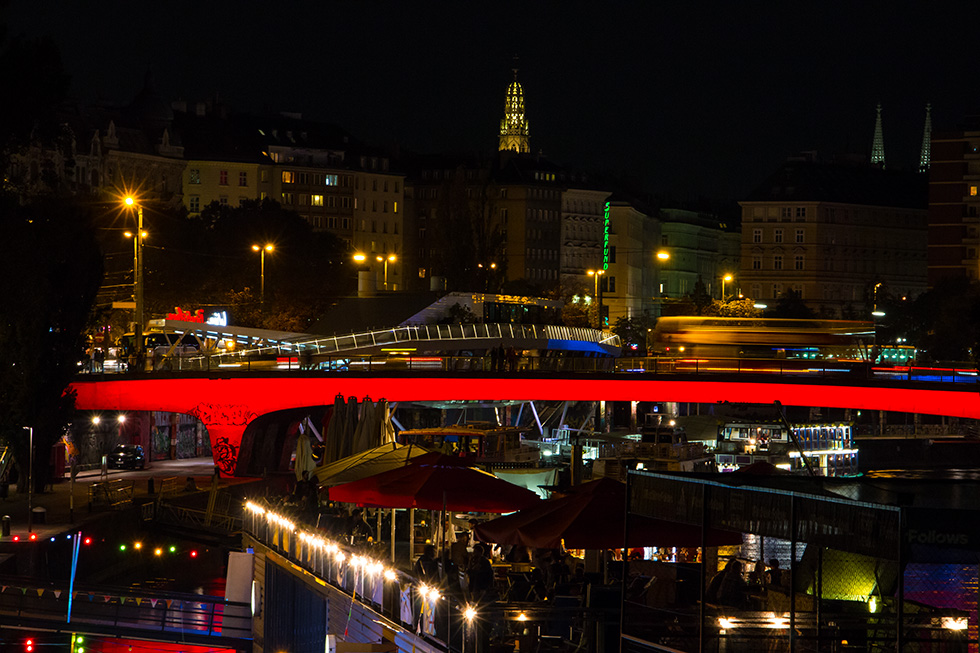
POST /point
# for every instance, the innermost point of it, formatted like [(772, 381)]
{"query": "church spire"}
[(878, 146), (513, 128), (925, 156)]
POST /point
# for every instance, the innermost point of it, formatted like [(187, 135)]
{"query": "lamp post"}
[(262, 250), (130, 201), (598, 297), (30, 480), (390, 257), (486, 274), (725, 279), (662, 257)]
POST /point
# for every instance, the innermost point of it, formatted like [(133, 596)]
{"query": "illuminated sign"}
[(218, 318), (605, 238), (180, 315)]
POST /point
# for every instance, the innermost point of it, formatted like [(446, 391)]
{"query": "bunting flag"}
[(23, 590), (40, 592), (57, 594), (3, 588), (138, 600), (153, 603), (108, 598), (170, 602)]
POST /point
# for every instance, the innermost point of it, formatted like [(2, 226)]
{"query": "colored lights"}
[(193, 554), (87, 541), (173, 549), (122, 547)]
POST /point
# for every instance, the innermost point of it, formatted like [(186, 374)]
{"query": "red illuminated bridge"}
[(226, 404)]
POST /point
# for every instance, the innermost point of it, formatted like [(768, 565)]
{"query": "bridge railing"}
[(534, 364), (162, 612)]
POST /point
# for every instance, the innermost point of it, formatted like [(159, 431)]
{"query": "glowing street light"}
[(663, 255), (386, 259), (725, 279), (129, 201), (598, 297), (268, 247)]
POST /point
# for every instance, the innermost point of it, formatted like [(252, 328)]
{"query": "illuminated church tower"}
[(878, 146), (513, 128), (925, 157)]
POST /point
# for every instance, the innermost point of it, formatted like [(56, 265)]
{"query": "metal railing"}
[(177, 616)]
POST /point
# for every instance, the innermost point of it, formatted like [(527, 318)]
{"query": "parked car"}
[(127, 455)]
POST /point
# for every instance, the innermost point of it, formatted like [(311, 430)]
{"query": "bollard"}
[(5, 526), (149, 486)]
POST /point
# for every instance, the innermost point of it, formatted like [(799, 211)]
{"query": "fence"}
[(814, 572)]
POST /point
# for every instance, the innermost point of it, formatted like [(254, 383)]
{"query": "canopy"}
[(433, 481), (367, 463), (592, 517)]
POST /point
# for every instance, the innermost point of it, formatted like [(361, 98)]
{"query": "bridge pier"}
[(226, 424)]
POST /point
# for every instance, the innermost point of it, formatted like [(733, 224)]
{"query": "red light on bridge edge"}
[(29, 645), (193, 554), (87, 541)]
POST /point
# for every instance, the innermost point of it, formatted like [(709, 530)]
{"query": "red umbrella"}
[(433, 481), (592, 517)]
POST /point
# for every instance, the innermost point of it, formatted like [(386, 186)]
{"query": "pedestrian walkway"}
[(55, 513)]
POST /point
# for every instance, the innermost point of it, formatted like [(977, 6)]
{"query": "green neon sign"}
[(605, 238)]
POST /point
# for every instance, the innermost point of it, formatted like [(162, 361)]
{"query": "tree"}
[(49, 276), (738, 308), (632, 332), (702, 300), (790, 305)]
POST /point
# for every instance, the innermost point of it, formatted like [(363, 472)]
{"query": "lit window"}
[(243, 179), (195, 178), (223, 177), (395, 207), (330, 180), (317, 200), (288, 176), (973, 190)]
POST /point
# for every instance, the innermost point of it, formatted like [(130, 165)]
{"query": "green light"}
[(605, 238), (173, 549), (122, 547)]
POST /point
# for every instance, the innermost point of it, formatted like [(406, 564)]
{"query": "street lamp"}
[(598, 297), (130, 202), (725, 279), (30, 480), (262, 250), (390, 257)]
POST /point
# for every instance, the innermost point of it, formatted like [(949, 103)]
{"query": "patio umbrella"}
[(349, 427), (365, 435), (387, 434), (368, 463), (433, 482), (335, 429), (592, 517)]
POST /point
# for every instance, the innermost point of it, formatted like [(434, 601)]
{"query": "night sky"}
[(690, 99)]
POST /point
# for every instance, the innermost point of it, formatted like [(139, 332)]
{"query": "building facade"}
[(954, 204), (832, 232), (697, 246)]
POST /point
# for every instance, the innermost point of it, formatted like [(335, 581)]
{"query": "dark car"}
[(127, 455)]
